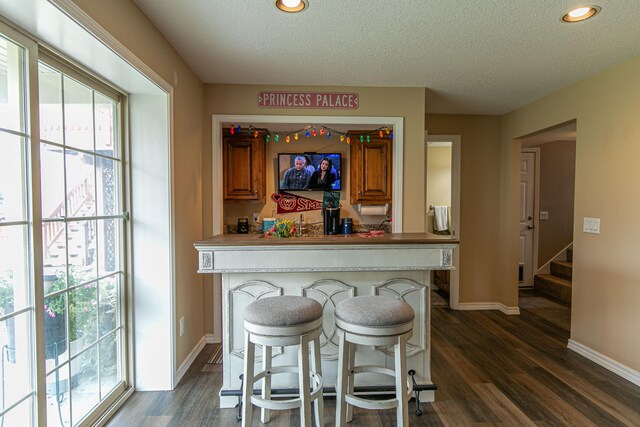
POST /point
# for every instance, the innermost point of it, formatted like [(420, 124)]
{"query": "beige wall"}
[(606, 272), (126, 23), (479, 201), (557, 181)]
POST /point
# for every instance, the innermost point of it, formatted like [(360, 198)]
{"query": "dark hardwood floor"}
[(490, 369)]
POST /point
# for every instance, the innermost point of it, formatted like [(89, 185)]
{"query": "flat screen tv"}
[(310, 171)]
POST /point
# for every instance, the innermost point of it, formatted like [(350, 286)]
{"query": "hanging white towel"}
[(441, 218)]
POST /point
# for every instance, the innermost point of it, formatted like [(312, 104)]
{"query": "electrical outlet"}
[(256, 216), (182, 326)]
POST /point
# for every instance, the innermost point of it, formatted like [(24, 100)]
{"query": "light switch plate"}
[(591, 225), (544, 215)]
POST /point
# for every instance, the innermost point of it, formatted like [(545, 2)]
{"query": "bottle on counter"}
[(347, 225)]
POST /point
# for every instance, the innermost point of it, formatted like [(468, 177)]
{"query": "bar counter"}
[(233, 253), (337, 239), (327, 269)]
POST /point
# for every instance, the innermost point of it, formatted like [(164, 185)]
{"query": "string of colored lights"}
[(309, 131)]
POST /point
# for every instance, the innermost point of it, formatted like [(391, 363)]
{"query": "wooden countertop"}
[(338, 239)]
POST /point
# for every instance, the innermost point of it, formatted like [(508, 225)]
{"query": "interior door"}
[(527, 215)]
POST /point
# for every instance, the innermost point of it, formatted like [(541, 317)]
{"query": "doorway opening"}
[(442, 206), (547, 190)]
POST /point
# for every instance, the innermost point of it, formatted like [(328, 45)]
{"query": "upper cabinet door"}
[(244, 167), (370, 169)]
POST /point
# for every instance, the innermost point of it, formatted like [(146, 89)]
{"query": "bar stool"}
[(283, 321), (372, 320)]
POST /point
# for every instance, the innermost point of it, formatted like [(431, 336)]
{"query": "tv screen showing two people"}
[(310, 171)]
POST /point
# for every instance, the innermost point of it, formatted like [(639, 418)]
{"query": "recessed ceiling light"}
[(291, 6), (581, 13)]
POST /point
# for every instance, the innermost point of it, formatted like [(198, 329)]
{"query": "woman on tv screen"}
[(324, 177)]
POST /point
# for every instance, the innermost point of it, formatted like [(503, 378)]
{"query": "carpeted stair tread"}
[(553, 286), (563, 269)]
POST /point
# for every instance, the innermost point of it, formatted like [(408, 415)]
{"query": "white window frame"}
[(31, 135), (33, 52)]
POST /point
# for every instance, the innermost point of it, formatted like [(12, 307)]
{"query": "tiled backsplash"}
[(316, 228)]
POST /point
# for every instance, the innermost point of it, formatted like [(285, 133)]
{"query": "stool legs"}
[(345, 382), (265, 414), (308, 354), (303, 364), (247, 391), (346, 378), (351, 378), (402, 410), (317, 368), (341, 381)]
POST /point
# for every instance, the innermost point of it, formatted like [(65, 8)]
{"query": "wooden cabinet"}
[(370, 168), (243, 167)]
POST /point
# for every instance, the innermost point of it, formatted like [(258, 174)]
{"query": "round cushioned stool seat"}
[(374, 311), (283, 311)]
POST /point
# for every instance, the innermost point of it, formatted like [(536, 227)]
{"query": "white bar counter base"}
[(327, 269)]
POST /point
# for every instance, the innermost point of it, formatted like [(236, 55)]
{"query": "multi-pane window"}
[(80, 246), (17, 389), (80, 168)]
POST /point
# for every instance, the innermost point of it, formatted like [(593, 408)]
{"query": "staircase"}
[(557, 284)]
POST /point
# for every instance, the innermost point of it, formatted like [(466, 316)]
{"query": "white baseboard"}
[(184, 367), (488, 306), (608, 363), (509, 310)]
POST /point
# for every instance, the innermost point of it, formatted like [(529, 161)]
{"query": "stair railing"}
[(560, 256)]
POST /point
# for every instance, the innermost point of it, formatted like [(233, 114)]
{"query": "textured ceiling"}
[(474, 57)]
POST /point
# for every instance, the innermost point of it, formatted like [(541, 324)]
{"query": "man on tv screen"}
[(297, 177)]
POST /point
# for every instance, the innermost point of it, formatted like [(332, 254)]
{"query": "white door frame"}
[(456, 146), (536, 210), (397, 123)]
